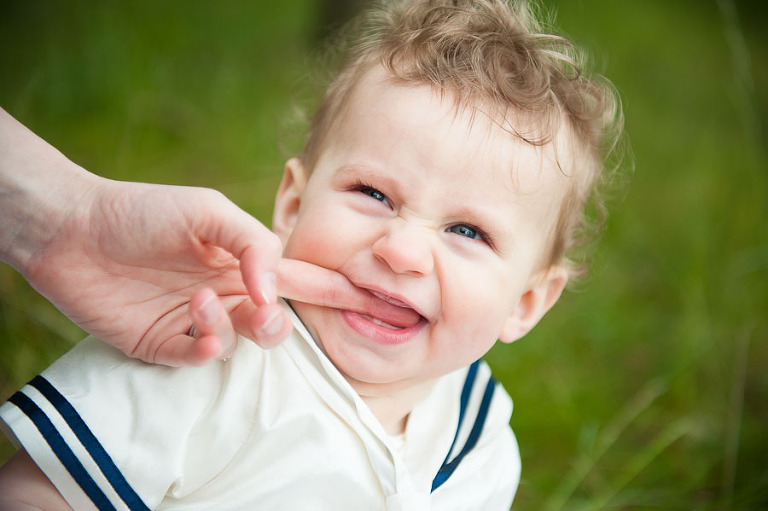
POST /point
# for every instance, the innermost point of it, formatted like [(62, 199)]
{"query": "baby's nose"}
[(405, 248)]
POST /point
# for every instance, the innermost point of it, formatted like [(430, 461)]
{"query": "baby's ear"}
[(288, 199), (545, 290)]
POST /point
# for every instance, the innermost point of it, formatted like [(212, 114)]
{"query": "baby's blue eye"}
[(465, 230), (372, 192)]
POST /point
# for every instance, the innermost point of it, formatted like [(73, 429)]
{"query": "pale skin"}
[(445, 213), (413, 241), (137, 264)]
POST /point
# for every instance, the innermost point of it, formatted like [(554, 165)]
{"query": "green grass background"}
[(646, 388)]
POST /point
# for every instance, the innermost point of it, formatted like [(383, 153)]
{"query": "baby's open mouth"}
[(390, 313)]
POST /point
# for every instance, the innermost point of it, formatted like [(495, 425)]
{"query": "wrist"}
[(34, 211), (39, 189)]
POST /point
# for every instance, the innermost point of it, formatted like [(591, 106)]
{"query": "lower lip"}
[(378, 333)]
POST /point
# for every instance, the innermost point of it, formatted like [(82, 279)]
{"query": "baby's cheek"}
[(480, 308), (310, 242)]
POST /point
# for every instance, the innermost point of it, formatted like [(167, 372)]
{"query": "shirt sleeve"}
[(506, 472), (112, 432)]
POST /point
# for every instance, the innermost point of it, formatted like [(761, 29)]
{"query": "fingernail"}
[(273, 325), (268, 287), (209, 310)]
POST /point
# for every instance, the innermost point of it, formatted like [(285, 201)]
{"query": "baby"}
[(446, 172)]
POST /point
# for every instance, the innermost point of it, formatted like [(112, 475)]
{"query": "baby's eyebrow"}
[(356, 169), (488, 218)]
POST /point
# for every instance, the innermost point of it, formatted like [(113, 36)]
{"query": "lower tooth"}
[(381, 323)]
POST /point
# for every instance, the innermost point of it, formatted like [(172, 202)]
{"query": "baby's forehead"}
[(521, 140)]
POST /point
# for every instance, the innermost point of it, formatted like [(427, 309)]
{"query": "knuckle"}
[(213, 195), (272, 244), (331, 295)]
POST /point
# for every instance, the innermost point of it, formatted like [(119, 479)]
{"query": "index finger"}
[(257, 249), (309, 283)]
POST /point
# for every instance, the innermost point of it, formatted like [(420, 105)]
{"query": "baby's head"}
[(447, 170), (493, 56)]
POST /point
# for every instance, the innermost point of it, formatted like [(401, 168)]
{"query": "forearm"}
[(24, 487), (39, 187)]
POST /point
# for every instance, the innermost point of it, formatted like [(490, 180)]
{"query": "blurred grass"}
[(644, 389)]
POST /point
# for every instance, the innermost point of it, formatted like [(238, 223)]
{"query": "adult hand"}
[(136, 264)]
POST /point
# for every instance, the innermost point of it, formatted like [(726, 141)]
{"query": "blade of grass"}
[(587, 461), (734, 419), (746, 107), (642, 460)]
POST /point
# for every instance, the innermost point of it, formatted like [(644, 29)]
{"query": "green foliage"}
[(645, 389)]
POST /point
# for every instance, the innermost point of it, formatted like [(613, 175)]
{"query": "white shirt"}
[(269, 429)]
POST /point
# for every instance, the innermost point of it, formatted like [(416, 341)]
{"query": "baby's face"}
[(430, 210)]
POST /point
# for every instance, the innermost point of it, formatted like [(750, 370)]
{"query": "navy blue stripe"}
[(469, 382), (62, 450), (466, 392), (474, 435), (477, 428), (91, 443)]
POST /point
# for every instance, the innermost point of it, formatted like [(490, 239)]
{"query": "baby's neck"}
[(392, 409)]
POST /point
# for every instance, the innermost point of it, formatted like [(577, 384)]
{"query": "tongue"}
[(402, 317)]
